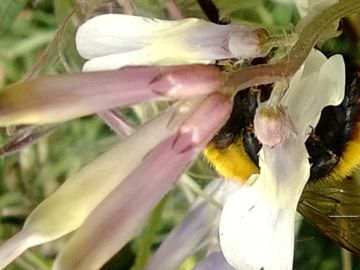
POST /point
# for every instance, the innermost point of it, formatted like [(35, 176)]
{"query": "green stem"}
[(311, 32), (264, 74)]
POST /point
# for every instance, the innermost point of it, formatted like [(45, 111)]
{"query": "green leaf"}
[(9, 10)]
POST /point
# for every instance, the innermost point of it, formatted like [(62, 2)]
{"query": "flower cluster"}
[(133, 59)]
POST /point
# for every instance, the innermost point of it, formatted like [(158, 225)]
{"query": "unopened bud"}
[(272, 125)]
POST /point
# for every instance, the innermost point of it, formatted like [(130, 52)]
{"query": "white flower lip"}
[(257, 222), (114, 40)]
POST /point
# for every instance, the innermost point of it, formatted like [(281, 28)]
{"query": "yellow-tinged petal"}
[(118, 217)]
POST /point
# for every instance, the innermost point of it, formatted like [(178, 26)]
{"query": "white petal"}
[(116, 33), (315, 91), (257, 222), (254, 235), (117, 60), (313, 63), (114, 40)]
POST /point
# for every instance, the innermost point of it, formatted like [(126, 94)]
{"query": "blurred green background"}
[(37, 37)]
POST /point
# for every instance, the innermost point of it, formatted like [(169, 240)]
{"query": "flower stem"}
[(310, 33), (279, 41), (287, 66)]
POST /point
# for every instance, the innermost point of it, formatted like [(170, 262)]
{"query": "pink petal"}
[(116, 220), (63, 97)]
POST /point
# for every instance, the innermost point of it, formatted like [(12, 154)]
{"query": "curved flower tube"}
[(62, 97)]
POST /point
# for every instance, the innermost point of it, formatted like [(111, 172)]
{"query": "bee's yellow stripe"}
[(232, 162), (350, 158)]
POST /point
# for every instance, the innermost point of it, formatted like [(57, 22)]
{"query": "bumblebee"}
[(331, 198)]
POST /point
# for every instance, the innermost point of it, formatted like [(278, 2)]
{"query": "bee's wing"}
[(334, 207)]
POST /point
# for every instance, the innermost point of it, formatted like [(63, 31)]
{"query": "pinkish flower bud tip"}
[(272, 125), (185, 81)]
